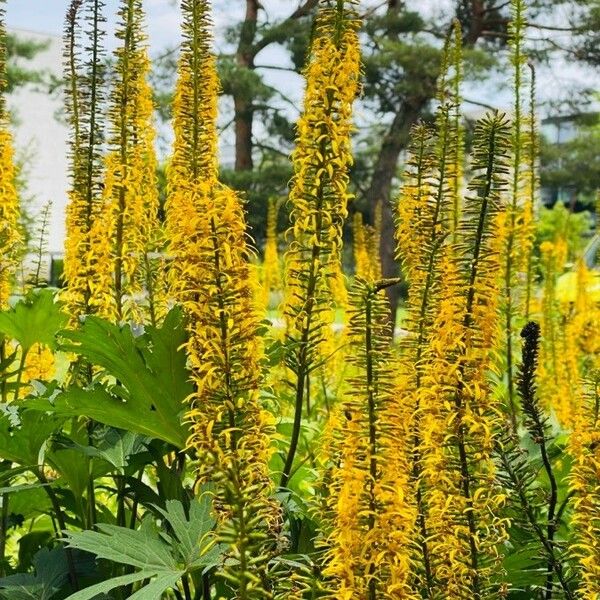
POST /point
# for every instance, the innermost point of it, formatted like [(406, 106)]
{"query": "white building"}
[(41, 138)]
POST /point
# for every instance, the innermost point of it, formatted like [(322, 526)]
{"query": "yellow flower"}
[(460, 421), (84, 108), (366, 246), (10, 234), (124, 232), (559, 369), (584, 447), (319, 196), (212, 278), (272, 280), (370, 509), (39, 364)]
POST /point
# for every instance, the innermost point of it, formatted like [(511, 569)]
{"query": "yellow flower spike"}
[(211, 276), (424, 204), (10, 234), (126, 230), (370, 516), (366, 243), (359, 247), (39, 364), (584, 448), (195, 149), (560, 354), (517, 250), (272, 280), (84, 106), (319, 195), (464, 509)]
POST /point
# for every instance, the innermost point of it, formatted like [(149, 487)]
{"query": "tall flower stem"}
[(318, 199), (515, 227)]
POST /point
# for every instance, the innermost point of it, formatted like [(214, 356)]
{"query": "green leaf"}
[(155, 589), (118, 447), (152, 375), (50, 575), (22, 443), (193, 534), (66, 458), (30, 544), (113, 446), (142, 548), (158, 555), (169, 480), (29, 504), (35, 319), (106, 586), (12, 489)]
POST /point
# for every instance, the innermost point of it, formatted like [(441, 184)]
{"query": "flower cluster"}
[(212, 278), (10, 234)]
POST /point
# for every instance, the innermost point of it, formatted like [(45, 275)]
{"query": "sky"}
[(47, 16)]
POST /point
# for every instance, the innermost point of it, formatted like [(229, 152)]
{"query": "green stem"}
[(436, 244), (303, 356), (150, 289), (3, 377), (372, 411), (120, 485), (186, 587), (20, 370), (554, 564), (224, 335), (93, 136), (90, 483), (485, 198), (206, 587), (3, 532), (128, 49), (532, 187), (59, 515)]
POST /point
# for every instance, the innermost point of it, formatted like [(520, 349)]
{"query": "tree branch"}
[(302, 11)]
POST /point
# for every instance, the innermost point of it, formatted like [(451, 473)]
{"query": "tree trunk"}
[(248, 48), (244, 118), (243, 106)]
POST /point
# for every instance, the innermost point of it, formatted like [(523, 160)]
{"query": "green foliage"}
[(34, 320), (184, 546), (50, 575), (146, 384), (574, 166), (19, 51), (558, 223), (530, 469), (585, 41), (259, 186), (236, 80), (23, 434)]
